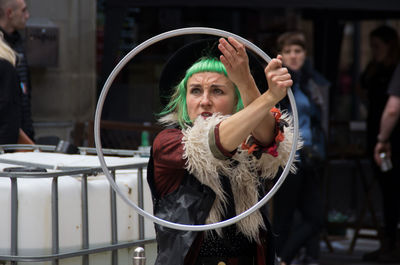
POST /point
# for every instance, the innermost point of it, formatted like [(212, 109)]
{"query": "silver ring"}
[(99, 108)]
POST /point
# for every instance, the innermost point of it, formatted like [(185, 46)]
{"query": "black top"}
[(394, 90), (233, 243), (10, 98), (375, 79), (16, 42), (394, 86)]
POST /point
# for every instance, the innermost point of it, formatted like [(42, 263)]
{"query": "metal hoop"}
[(99, 108)]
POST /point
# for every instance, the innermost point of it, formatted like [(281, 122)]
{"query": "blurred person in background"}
[(301, 192), (376, 82), (13, 17), (10, 109)]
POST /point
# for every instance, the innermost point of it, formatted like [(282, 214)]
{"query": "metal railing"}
[(85, 250)]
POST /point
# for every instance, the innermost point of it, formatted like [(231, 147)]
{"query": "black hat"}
[(175, 68)]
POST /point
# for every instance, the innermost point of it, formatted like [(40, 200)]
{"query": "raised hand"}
[(236, 62), (278, 78)]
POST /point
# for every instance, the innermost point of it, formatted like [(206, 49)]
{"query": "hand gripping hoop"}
[(99, 108)]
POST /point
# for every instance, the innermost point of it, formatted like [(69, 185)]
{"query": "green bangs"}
[(177, 102)]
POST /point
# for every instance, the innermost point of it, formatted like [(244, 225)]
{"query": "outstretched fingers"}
[(233, 52), (239, 47), (236, 62)]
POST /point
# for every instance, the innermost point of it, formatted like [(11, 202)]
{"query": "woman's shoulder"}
[(169, 131), (168, 136)]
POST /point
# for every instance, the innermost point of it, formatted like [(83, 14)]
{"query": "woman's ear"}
[(235, 106)]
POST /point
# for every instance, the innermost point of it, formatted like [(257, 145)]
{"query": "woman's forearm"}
[(255, 118), (261, 131), (234, 130)]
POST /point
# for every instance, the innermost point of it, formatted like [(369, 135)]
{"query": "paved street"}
[(341, 256)]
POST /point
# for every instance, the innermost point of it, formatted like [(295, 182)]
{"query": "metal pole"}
[(54, 219), (114, 228), (140, 201), (139, 256), (85, 218), (14, 218)]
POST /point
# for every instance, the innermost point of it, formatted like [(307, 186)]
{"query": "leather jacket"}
[(189, 204)]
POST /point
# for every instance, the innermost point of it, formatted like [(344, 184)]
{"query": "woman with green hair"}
[(223, 139), (178, 99)]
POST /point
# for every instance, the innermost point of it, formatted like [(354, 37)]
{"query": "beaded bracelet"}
[(257, 149)]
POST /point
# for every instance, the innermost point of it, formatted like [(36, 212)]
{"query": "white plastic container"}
[(34, 208)]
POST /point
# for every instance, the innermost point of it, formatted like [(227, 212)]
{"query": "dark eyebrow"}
[(194, 85), (217, 86), (212, 86)]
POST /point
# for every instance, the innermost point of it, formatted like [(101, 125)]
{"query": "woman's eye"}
[(218, 91), (195, 91)]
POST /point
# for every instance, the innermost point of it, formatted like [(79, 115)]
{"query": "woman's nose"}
[(205, 100)]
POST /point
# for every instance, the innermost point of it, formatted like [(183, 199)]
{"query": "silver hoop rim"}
[(99, 108)]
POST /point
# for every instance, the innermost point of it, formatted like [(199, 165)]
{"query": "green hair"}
[(177, 102)]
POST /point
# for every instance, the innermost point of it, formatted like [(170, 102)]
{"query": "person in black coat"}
[(13, 17), (10, 99)]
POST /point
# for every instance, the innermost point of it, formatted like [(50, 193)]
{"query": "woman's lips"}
[(206, 114)]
